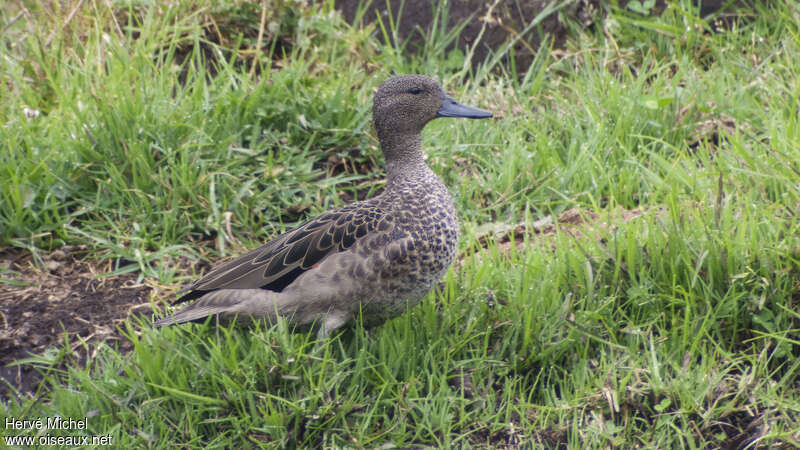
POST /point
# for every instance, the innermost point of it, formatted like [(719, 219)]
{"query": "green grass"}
[(675, 328)]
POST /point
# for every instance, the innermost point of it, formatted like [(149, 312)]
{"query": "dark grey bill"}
[(451, 108)]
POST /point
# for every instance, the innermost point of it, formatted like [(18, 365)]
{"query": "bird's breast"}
[(427, 215)]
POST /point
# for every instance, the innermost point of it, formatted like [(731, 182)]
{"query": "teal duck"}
[(375, 257)]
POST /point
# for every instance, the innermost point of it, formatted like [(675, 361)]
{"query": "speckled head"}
[(405, 104)]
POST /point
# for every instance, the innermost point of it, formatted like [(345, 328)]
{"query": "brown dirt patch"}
[(61, 297)]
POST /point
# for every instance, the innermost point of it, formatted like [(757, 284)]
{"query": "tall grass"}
[(667, 318)]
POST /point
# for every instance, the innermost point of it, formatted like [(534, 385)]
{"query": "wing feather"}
[(277, 263), (347, 241)]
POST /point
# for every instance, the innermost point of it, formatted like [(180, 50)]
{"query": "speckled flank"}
[(377, 256)]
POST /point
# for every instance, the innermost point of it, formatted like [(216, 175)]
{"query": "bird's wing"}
[(277, 263)]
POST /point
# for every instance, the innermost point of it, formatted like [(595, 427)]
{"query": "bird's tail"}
[(227, 304)]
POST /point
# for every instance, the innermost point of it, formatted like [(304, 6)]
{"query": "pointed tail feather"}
[(190, 314), (227, 304)]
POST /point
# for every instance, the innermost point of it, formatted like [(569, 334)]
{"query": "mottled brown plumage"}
[(376, 256)]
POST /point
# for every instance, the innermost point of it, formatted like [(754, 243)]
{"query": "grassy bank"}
[(646, 295)]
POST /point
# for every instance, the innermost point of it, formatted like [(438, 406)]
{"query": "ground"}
[(68, 298)]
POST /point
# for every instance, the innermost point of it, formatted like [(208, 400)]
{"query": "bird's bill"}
[(451, 108)]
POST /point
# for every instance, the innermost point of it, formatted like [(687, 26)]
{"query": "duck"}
[(371, 260)]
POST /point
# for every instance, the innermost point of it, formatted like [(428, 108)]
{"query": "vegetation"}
[(665, 316)]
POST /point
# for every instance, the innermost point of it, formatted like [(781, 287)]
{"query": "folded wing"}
[(274, 265)]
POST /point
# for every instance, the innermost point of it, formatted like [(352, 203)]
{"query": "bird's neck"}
[(403, 154)]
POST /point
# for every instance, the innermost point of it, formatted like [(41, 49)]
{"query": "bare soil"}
[(491, 24), (60, 297)]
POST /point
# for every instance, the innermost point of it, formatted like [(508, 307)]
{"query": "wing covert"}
[(274, 265)]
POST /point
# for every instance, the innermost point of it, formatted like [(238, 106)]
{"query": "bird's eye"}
[(415, 91)]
